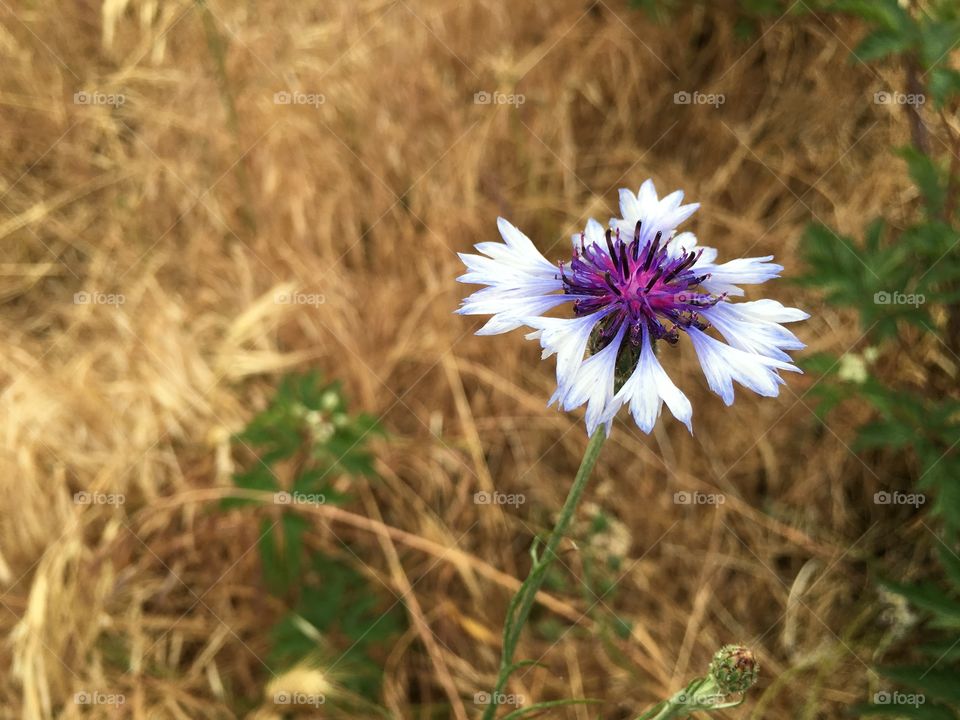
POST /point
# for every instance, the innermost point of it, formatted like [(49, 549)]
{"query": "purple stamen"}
[(642, 283)]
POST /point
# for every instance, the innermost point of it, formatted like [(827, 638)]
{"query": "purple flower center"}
[(644, 286)]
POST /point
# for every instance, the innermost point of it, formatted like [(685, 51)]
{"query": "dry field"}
[(181, 195)]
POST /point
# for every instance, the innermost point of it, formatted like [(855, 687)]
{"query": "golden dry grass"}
[(200, 199)]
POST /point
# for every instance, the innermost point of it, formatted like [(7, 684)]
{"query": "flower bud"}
[(734, 669)]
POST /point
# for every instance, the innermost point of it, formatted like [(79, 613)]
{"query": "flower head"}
[(631, 285), (734, 669)]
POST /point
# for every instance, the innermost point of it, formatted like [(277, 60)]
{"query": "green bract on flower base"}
[(631, 285), (733, 671)]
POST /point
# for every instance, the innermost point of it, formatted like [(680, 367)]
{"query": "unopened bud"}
[(734, 669)]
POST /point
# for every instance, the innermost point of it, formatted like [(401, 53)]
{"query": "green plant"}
[(334, 612), (903, 282), (935, 637)]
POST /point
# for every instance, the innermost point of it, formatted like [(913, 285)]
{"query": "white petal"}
[(743, 271), (675, 217), (681, 243), (517, 316), (630, 208), (706, 259), (647, 198), (672, 201), (521, 282), (568, 338), (770, 311), (722, 364), (521, 303), (656, 215), (742, 330), (594, 384), (521, 244), (646, 390)]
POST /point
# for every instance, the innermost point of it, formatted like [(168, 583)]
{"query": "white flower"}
[(633, 285)]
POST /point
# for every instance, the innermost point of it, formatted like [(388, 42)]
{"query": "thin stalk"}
[(520, 605), (218, 52), (701, 695)]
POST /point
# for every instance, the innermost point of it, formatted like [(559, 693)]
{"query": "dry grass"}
[(200, 198)]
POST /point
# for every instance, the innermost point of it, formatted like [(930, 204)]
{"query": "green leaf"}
[(885, 434), (883, 42), (937, 39), (935, 683), (927, 176), (886, 13), (926, 596), (943, 651), (944, 85), (951, 563), (281, 545), (259, 477)]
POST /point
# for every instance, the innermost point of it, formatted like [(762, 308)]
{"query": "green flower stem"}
[(701, 695), (520, 605)]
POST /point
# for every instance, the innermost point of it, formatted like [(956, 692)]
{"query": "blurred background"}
[(252, 464)]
